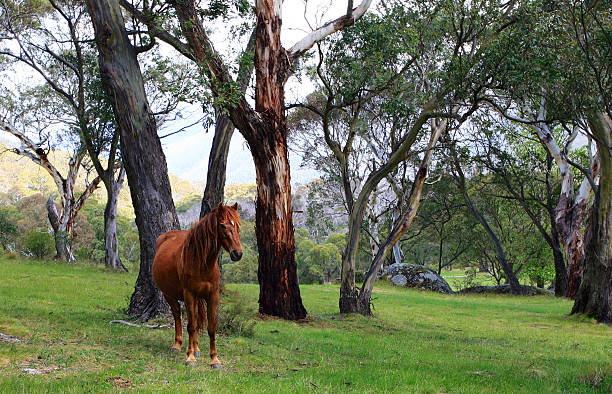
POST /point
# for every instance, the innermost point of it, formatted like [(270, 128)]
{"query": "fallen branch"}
[(127, 323), (9, 338)]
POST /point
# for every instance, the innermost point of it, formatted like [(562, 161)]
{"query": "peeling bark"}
[(112, 259), (569, 213), (594, 296)]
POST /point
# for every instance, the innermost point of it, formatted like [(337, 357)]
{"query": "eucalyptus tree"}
[(551, 85), (141, 149), (45, 116), (263, 127), (412, 83), (563, 70), (571, 208), (590, 23)]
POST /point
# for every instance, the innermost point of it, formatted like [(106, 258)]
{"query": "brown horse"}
[(185, 269)]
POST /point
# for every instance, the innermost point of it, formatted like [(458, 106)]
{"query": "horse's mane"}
[(202, 237)]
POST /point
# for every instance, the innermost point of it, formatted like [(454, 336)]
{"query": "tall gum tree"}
[(588, 22), (142, 154), (264, 128), (594, 296)]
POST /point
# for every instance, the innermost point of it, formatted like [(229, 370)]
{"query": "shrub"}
[(235, 315), (39, 243), (8, 229)]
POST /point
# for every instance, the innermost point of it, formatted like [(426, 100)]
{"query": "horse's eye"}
[(223, 226)]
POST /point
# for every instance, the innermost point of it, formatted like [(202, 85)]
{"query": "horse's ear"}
[(236, 206)]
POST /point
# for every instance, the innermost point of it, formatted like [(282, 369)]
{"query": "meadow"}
[(415, 342)]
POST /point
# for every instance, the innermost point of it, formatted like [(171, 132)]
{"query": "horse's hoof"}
[(196, 354), (216, 366), (190, 363), (173, 350)]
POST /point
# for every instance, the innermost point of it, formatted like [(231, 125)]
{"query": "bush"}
[(39, 243), (235, 316)]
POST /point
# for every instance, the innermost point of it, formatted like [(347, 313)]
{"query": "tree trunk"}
[(398, 253), (569, 212), (217, 164), (575, 250), (279, 293), (63, 250), (142, 154), (348, 302), (594, 296), (401, 224), (111, 245), (560, 270), (499, 251), (440, 252), (349, 297)]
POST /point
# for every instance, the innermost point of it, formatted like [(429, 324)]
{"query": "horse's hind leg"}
[(178, 326), (191, 305), (201, 323), (212, 302)]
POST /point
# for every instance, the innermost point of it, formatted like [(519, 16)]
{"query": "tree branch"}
[(328, 28)]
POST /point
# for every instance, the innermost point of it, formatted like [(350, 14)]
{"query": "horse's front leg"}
[(191, 306), (212, 302)]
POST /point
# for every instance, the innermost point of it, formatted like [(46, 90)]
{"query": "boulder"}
[(417, 276)]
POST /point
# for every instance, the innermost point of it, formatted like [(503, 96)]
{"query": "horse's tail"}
[(202, 322)]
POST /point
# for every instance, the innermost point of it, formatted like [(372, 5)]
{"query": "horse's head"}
[(229, 230)]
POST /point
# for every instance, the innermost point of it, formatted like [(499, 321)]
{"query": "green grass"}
[(457, 279), (416, 342)]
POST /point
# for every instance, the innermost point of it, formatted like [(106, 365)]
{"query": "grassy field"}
[(416, 342)]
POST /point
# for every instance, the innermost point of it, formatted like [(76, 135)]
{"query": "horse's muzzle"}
[(235, 256)]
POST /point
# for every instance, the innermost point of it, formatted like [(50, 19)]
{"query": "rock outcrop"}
[(416, 276)]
